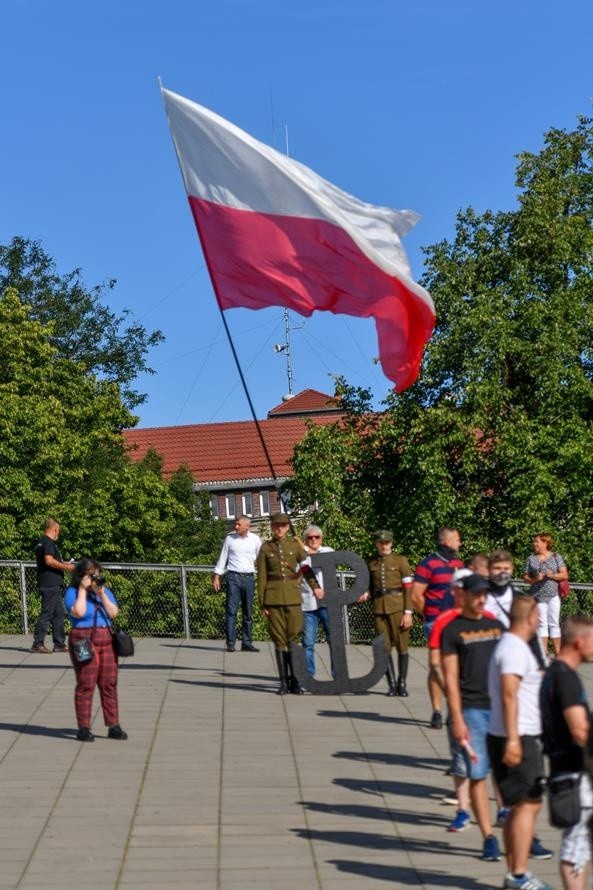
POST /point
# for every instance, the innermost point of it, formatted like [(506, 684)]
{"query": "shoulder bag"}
[(122, 641), (563, 586)]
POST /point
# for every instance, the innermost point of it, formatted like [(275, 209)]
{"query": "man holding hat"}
[(389, 590), (279, 572)]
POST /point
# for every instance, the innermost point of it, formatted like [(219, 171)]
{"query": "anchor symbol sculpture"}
[(334, 599)]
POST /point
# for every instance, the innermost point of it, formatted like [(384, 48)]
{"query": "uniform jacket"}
[(386, 584), (279, 573)]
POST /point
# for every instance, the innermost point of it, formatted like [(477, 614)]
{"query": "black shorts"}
[(523, 782)]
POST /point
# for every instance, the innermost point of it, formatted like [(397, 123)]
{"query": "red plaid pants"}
[(101, 671)]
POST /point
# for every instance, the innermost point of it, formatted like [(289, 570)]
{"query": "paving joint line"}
[(144, 772)]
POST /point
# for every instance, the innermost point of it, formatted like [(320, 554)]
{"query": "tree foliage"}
[(62, 454), (83, 328), (496, 435)]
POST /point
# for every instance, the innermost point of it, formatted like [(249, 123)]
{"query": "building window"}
[(264, 503), (229, 504), (247, 502), (214, 506)]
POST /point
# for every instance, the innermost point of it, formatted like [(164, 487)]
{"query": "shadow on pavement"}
[(362, 811), (409, 760), (408, 877), (33, 729), (215, 685), (379, 787), (371, 715)]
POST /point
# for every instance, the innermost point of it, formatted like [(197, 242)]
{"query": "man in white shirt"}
[(237, 560), (514, 739)]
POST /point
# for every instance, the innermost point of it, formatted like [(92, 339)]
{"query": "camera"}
[(99, 579)]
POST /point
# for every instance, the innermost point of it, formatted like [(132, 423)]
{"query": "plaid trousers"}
[(101, 671)]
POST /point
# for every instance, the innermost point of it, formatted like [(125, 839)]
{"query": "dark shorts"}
[(523, 782)]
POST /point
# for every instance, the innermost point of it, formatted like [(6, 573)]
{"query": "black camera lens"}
[(98, 579)]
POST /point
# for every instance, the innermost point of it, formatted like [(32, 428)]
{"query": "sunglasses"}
[(312, 537)]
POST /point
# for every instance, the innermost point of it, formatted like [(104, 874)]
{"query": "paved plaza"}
[(224, 784)]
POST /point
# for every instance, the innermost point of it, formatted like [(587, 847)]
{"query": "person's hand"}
[(266, 612), (406, 621), (319, 593), (86, 582), (513, 752), (363, 597), (460, 731), (216, 583)]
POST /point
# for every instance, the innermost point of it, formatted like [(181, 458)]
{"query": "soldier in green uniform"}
[(389, 590), (279, 572)]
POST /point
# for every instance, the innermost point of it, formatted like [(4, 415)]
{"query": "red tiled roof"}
[(219, 452), (309, 401)]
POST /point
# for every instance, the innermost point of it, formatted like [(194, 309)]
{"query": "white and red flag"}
[(274, 233)]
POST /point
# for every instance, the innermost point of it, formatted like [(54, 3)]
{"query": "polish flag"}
[(274, 233)]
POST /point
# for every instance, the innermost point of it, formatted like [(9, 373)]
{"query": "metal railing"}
[(165, 600)]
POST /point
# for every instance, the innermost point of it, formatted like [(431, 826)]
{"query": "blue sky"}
[(419, 105)]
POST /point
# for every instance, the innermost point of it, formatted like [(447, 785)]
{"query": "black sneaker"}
[(116, 732), (85, 735), (230, 648), (249, 647), (60, 648), (436, 721)]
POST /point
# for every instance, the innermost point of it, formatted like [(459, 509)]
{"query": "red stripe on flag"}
[(258, 260)]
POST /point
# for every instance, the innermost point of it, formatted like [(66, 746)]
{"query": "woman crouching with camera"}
[(92, 607)]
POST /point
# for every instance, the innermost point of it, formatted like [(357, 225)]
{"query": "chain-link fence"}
[(179, 601)]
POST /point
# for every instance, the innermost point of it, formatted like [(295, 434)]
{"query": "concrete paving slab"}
[(224, 784)]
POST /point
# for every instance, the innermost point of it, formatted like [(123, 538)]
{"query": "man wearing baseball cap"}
[(467, 646)]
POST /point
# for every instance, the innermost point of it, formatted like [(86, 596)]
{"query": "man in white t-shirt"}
[(237, 560), (514, 739)]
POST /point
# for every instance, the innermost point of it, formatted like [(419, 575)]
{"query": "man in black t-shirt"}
[(50, 580), (467, 645), (566, 726)]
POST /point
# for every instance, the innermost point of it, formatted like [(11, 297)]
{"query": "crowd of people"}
[(508, 700)]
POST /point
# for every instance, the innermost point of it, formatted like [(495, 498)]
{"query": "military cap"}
[(383, 535), (279, 519)]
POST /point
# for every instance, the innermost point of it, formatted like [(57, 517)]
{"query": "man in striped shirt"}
[(431, 595)]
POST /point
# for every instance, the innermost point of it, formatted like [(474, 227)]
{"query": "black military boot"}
[(390, 674), (402, 667), (281, 665), (293, 684)]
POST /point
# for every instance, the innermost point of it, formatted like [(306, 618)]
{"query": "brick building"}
[(227, 459)]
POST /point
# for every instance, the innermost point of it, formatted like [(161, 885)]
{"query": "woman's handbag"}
[(82, 650), (564, 800), (563, 586), (122, 643)]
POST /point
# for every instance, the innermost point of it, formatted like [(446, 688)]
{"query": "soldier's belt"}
[(290, 577), (386, 591)]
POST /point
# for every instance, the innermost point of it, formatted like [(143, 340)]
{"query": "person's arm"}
[(407, 580), (262, 579), (417, 598), (54, 563), (435, 668), (577, 720), (450, 663), (220, 567), (509, 688), (111, 608)]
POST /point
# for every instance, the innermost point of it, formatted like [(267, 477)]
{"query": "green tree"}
[(496, 435), (83, 328), (62, 454)]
